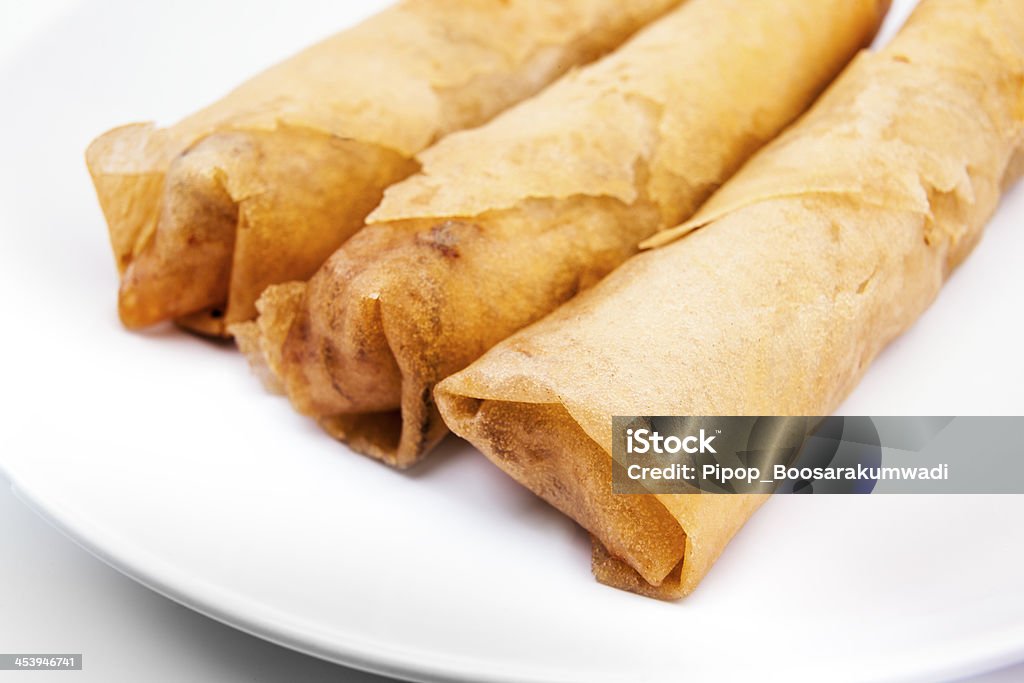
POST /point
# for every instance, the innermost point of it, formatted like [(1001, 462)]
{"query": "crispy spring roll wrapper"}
[(262, 187), (824, 248), (507, 222)]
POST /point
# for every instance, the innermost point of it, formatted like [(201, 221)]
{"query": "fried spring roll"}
[(262, 187), (507, 222), (824, 248)]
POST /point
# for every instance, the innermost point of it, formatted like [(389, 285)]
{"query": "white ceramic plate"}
[(161, 454)]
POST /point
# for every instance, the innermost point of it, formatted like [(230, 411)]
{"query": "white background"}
[(56, 597)]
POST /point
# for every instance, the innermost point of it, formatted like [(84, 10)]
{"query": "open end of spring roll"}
[(789, 282), (264, 185), (236, 217), (507, 222)]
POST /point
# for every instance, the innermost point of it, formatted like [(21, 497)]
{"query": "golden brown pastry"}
[(507, 222), (264, 185), (825, 247)]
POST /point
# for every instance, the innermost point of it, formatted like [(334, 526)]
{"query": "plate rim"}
[(989, 653), (216, 602)]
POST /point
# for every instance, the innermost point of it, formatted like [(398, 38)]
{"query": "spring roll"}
[(507, 222), (262, 187), (824, 248)]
